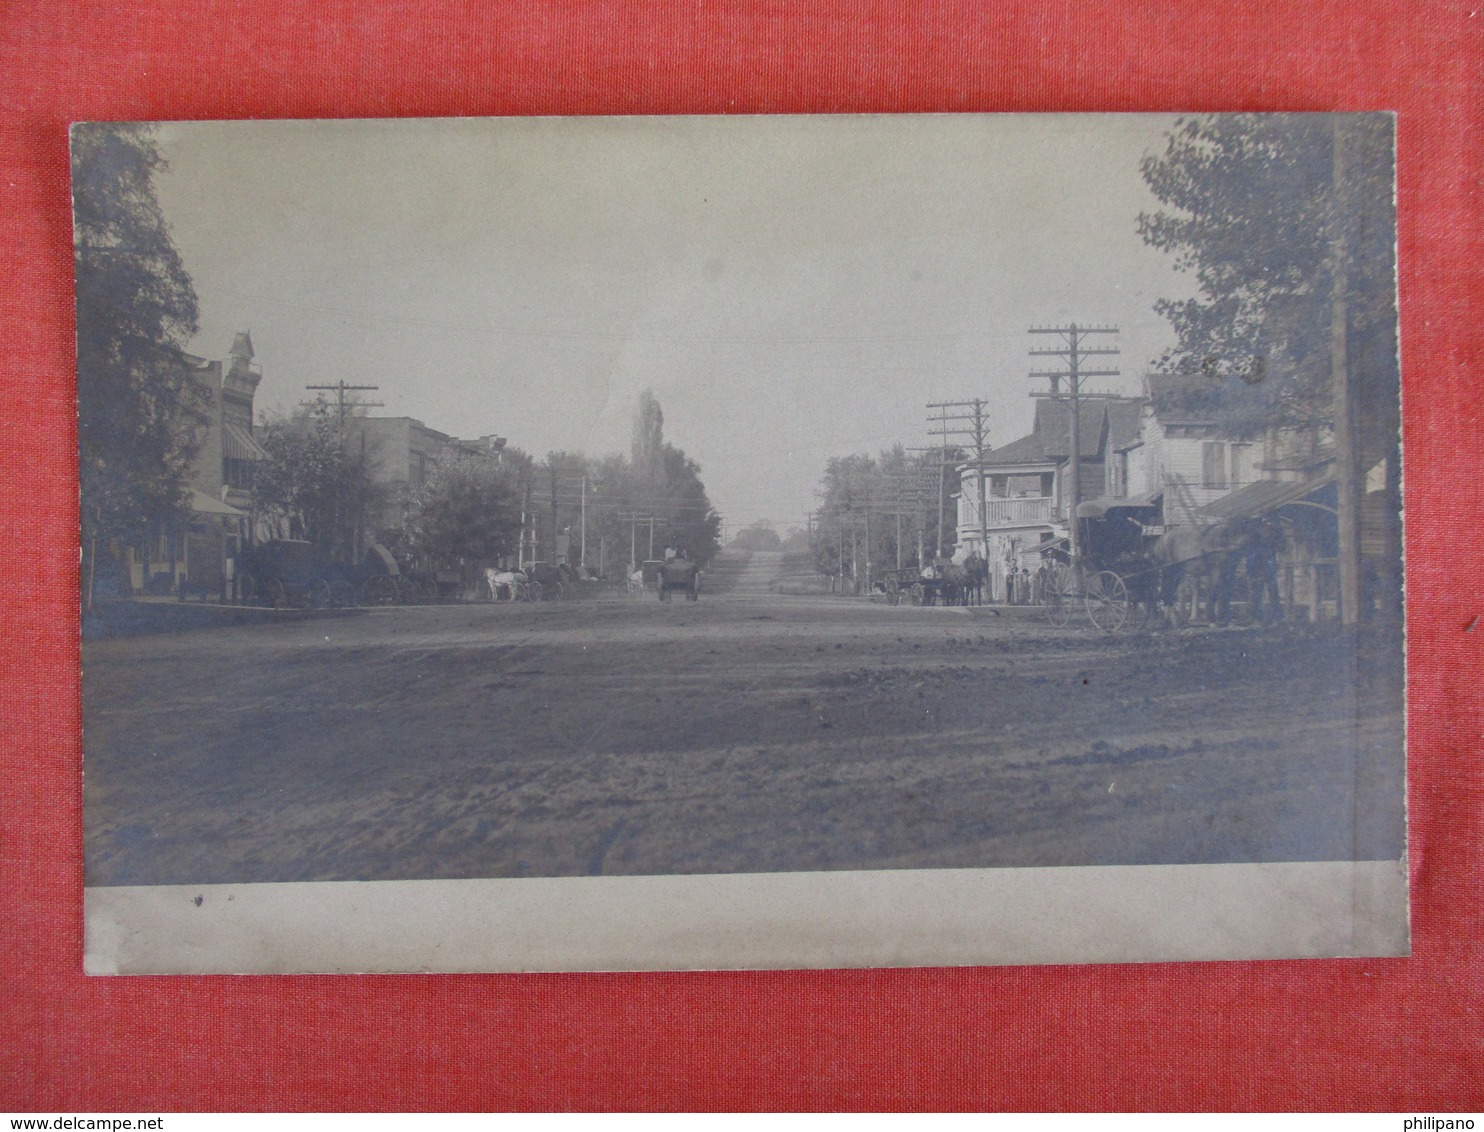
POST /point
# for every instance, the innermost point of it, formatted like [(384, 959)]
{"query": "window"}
[(237, 473), (1242, 473), (1213, 464)]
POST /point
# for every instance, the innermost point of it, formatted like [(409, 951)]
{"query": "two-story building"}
[(1026, 484), (199, 554), (401, 453)]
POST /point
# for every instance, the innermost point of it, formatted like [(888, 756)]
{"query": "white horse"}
[(497, 580)]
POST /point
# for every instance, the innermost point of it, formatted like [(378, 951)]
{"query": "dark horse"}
[(1198, 565)]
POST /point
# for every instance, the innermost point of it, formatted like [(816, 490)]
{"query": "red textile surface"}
[(1399, 1034)]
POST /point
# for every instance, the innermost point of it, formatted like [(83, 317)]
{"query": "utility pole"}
[(1073, 351), (343, 403), (920, 487), (942, 454), (972, 426), (582, 547)]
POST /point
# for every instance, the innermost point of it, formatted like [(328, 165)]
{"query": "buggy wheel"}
[(248, 589), (534, 591), (1107, 601), (379, 589), (406, 591), (1059, 596), (319, 595), (342, 594), (277, 596)]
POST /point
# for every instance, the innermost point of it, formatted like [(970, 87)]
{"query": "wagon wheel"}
[(1107, 601), (379, 589), (320, 596), (276, 595), (1059, 596), (916, 594), (554, 591), (342, 594), (534, 591), (248, 590)]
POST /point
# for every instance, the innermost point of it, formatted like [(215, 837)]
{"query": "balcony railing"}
[(1018, 512)]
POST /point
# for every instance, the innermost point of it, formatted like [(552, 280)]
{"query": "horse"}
[(1199, 563), (977, 570), (496, 580)]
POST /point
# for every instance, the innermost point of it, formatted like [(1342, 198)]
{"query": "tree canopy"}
[(140, 406), (891, 484), (314, 485), (1262, 210), (469, 510)]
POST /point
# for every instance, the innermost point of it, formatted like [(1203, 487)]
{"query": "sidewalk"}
[(134, 617)]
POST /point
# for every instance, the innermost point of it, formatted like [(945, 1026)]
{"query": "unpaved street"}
[(744, 732)]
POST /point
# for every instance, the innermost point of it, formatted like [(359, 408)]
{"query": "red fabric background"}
[(1398, 1034)]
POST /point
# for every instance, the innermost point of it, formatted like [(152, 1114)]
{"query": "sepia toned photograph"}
[(635, 543)]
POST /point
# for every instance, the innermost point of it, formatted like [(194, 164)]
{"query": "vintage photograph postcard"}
[(697, 542)]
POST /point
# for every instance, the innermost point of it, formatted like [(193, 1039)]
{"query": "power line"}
[(1074, 351), (973, 426)]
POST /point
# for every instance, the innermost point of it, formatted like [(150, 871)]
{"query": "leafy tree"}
[(856, 486), (1255, 211), (646, 450), (313, 485), (659, 480), (140, 407), (469, 511)]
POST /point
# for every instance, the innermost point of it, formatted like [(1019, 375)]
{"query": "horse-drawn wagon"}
[(288, 572), (1134, 570), (679, 574)]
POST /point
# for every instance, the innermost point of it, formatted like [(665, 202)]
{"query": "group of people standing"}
[(1022, 586)]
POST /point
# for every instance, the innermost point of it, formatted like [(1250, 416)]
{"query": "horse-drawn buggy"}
[(1134, 571), (951, 583), (288, 572), (678, 574)]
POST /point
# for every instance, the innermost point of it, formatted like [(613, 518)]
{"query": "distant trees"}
[(759, 536), (657, 482), (880, 510), (140, 407), (469, 510)]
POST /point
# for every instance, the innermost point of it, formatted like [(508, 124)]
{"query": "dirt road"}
[(744, 732)]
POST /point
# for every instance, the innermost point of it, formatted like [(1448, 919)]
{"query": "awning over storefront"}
[(1042, 548), (203, 504), (239, 444), (1097, 508), (1260, 498)]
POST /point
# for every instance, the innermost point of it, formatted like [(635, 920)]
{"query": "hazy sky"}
[(790, 288)]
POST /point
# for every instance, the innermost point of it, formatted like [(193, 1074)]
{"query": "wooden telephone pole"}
[(343, 403), (1073, 351), (971, 426)]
